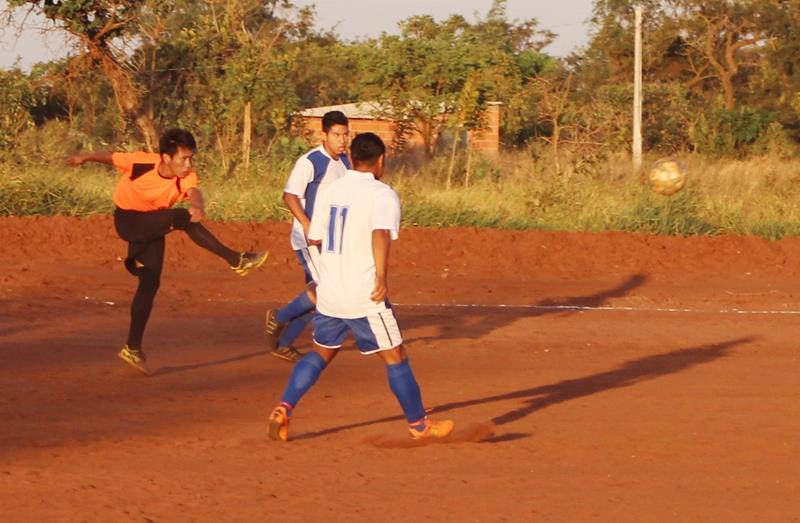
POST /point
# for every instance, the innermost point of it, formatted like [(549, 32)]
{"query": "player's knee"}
[(325, 355), (394, 356)]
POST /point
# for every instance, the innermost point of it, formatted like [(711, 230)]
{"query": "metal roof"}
[(362, 110)]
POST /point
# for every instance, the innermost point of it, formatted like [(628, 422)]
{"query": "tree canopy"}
[(721, 76)]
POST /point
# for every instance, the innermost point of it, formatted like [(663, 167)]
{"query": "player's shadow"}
[(162, 371), (630, 373), (477, 321), (538, 398)]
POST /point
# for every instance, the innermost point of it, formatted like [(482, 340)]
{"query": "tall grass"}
[(517, 190), (759, 196)]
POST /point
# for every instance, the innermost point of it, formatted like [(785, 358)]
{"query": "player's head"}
[(177, 147), (335, 132), (368, 153)]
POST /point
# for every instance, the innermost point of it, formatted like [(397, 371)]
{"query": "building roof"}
[(358, 110), (363, 110)]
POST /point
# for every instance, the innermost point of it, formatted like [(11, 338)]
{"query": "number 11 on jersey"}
[(336, 228)]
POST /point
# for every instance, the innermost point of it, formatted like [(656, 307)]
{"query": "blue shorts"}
[(373, 333), (309, 260)]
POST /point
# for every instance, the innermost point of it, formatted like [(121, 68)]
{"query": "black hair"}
[(332, 118), (173, 138), (367, 148)]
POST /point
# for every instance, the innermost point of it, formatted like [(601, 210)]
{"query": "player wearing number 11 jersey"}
[(354, 222)]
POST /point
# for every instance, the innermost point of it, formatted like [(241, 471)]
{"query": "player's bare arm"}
[(99, 157), (296, 208), (197, 204), (381, 242)]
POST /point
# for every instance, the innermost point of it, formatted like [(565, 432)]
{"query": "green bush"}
[(733, 133)]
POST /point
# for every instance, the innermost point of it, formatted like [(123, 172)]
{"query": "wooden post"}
[(637, 92), (246, 135)]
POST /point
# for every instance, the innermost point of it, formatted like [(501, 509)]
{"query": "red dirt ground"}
[(561, 414)]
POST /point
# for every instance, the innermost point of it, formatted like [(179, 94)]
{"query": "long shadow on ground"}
[(477, 323), (537, 398)]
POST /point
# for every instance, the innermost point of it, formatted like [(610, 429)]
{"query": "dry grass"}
[(520, 190)]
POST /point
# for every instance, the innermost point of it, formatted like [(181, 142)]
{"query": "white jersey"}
[(345, 216), (312, 171)]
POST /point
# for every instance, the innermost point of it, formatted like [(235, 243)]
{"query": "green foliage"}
[(724, 132), (39, 192), (98, 19), (678, 215), (439, 75), (516, 191), (17, 101), (237, 72)]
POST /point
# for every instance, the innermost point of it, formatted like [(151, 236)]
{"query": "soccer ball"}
[(666, 177)]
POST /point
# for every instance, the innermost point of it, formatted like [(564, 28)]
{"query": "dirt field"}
[(604, 377)]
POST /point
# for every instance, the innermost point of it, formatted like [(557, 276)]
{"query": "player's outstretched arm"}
[(80, 159), (197, 205), (381, 242)]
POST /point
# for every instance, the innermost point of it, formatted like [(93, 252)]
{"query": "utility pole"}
[(637, 92)]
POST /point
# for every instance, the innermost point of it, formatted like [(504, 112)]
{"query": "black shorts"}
[(145, 231)]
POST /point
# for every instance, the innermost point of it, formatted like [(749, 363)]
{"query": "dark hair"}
[(367, 148), (332, 118), (174, 138)]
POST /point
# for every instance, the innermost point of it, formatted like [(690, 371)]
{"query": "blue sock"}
[(405, 388), (295, 308), (304, 375), (294, 329)]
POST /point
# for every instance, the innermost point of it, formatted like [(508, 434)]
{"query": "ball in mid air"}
[(666, 177)]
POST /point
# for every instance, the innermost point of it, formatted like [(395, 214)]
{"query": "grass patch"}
[(517, 190)]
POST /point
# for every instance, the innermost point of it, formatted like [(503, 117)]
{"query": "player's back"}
[(347, 213)]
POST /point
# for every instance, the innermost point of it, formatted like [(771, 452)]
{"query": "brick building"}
[(362, 119)]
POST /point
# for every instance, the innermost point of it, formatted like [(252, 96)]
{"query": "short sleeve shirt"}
[(344, 218), (311, 174), (141, 188)]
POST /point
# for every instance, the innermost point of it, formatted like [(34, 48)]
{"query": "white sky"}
[(351, 19)]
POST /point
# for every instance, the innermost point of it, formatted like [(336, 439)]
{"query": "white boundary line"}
[(566, 308), (582, 308)]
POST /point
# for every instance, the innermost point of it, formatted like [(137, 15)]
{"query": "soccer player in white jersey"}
[(354, 222), (311, 174)]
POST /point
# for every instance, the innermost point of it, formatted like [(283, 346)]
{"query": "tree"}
[(102, 28), (722, 40), (17, 99), (424, 76), (223, 68)]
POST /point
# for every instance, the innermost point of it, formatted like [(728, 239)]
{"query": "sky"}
[(350, 19)]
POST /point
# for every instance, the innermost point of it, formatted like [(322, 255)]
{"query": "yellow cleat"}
[(272, 329), (279, 424), (134, 358), (249, 261), (289, 354), (433, 429)]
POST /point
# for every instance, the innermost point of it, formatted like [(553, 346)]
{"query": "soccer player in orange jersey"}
[(149, 185)]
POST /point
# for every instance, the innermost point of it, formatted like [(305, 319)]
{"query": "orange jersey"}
[(141, 188)]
